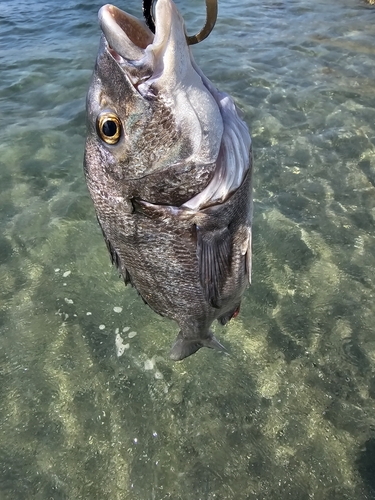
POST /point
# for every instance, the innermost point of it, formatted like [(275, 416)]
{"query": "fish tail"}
[(183, 347)]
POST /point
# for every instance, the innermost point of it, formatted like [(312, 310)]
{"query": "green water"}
[(91, 407)]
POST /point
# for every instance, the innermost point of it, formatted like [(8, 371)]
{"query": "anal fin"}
[(225, 318)]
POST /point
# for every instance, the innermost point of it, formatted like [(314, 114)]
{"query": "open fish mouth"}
[(135, 47), (161, 66), (127, 36)]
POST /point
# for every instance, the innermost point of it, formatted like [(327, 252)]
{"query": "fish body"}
[(169, 168)]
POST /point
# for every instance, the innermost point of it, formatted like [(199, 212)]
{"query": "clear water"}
[(290, 414)]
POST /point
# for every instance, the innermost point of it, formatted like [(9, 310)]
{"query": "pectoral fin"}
[(246, 250), (214, 252), (115, 259)]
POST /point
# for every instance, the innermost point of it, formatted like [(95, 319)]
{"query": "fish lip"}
[(132, 43), (127, 36)]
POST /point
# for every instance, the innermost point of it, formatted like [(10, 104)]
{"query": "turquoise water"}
[(90, 405)]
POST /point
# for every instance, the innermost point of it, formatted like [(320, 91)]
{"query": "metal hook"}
[(147, 14), (211, 16)]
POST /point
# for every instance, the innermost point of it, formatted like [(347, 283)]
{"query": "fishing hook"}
[(211, 16), (147, 14)]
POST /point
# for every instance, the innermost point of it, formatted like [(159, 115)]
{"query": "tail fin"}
[(183, 347)]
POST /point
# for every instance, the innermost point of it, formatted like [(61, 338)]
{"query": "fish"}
[(168, 165)]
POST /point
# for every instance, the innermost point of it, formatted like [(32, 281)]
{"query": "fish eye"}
[(109, 127)]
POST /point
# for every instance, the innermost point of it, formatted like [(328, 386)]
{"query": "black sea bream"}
[(168, 165)]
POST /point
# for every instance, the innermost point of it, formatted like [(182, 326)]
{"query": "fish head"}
[(150, 114)]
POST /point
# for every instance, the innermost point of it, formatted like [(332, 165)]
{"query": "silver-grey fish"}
[(168, 165)]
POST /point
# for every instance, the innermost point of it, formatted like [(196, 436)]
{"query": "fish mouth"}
[(133, 45), (127, 36)]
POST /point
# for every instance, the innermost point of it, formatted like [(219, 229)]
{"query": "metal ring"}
[(211, 16)]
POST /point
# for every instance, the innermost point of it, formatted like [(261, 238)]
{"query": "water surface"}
[(290, 414)]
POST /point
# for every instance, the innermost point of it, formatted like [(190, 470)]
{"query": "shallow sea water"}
[(91, 407)]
